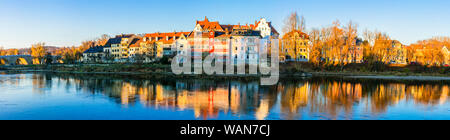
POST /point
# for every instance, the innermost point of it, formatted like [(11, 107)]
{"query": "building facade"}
[(356, 52), (234, 41), (397, 53), (239, 42), (93, 55), (294, 47)]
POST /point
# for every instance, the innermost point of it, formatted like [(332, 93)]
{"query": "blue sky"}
[(68, 22)]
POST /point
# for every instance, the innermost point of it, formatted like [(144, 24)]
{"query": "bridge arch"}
[(21, 61), (3, 61), (16, 60)]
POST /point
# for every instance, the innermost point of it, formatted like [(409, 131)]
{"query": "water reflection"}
[(316, 98)]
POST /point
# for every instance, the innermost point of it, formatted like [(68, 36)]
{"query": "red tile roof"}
[(290, 34), (210, 26), (166, 38), (136, 42)]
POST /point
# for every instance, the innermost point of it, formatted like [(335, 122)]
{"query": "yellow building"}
[(117, 47), (294, 46), (397, 53)]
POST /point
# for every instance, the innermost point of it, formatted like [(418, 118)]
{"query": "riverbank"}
[(419, 78), (145, 71), (368, 70), (287, 71)]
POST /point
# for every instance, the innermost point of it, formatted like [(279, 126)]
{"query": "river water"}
[(80, 97)]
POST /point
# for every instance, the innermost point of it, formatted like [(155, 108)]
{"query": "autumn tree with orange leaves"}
[(38, 52), (317, 42), (73, 54), (429, 52)]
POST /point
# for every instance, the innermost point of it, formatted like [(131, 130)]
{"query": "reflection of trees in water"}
[(40, 83), (11, 79), (333, 99), (384, 95), (336, 97), (293, 97), (328, 99), (429, 94)]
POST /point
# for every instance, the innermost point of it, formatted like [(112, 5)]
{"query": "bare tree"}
[(294, 22), (351, 32), (315, 47)]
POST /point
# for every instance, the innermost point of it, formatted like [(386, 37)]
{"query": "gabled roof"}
[(273, 28), (117, 39), (96, 49), (135, 42), (113, 41), (292, 33), (210, 26), (254, 26)]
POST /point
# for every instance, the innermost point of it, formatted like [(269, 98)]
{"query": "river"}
[(44, 96)]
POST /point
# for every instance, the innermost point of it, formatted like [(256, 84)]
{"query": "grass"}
[(365, 69), (290, 68)]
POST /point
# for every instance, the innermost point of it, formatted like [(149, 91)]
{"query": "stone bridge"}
[(22, 60), (16, 60)]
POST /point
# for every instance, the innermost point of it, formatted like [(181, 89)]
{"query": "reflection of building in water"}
[(235, 97), (205, 98), (294, 97), (40, 82), (328, 99), (262, 111)]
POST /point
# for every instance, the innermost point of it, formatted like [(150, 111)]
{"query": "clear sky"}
[(68, 22)]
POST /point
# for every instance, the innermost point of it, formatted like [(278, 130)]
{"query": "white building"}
[(266, 29)]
